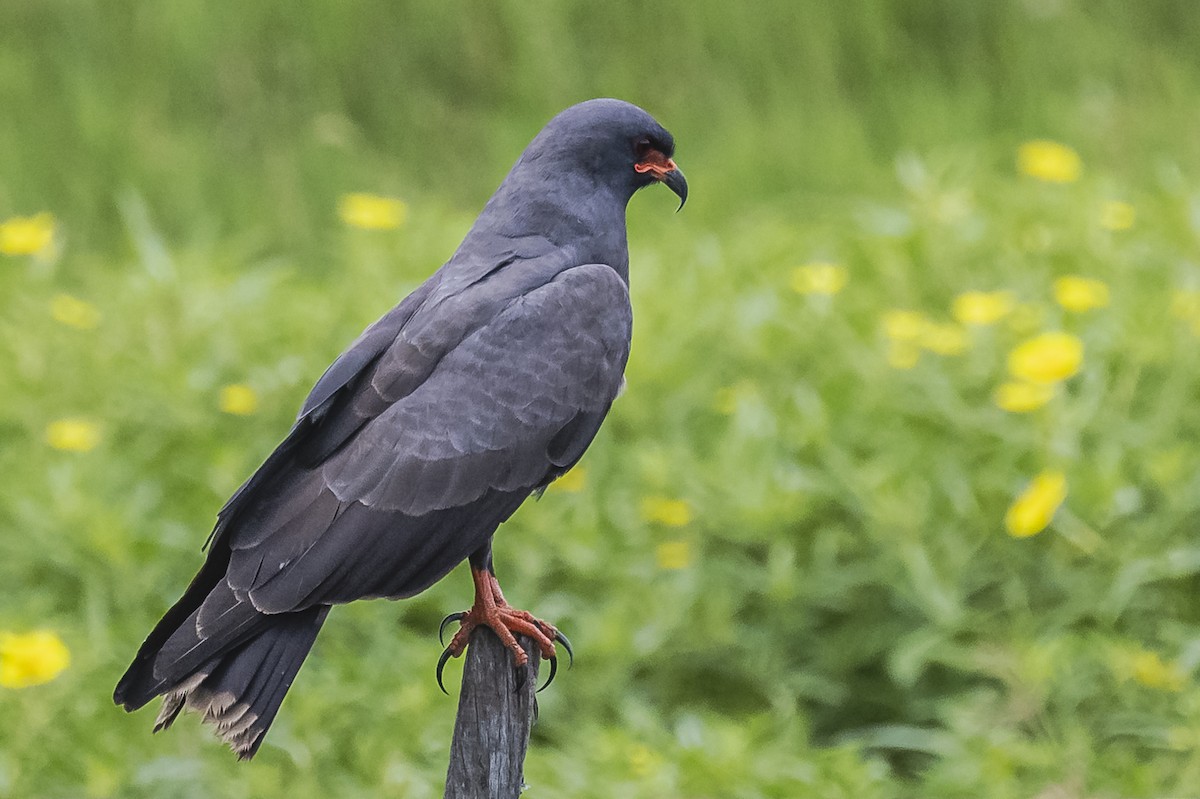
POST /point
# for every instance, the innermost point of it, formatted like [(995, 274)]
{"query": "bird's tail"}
[(239, 691)]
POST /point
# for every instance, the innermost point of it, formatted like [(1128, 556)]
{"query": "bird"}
[(479, 389)]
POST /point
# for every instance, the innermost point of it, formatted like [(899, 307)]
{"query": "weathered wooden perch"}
[(491, 730)]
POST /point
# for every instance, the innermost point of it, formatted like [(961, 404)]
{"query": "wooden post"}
[(491, 730)]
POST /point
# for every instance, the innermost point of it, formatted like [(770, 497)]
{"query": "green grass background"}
[(854, 621)]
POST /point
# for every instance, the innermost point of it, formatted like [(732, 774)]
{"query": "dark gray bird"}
[(480, 388)]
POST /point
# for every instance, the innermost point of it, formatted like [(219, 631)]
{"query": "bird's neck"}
[(578, 215)]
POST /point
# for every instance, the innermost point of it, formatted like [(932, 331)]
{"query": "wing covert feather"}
[(486, 415)]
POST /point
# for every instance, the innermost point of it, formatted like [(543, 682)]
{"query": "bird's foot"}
[(492, 611)]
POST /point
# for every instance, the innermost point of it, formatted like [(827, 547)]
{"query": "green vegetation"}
[(785, 563)]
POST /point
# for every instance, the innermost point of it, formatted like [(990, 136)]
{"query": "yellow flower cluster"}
[(1035, 507), (1049, 161), (1040, 363), (910, 332), (238, 399), (372, 212), (666, 511), (1019, 396), (1078, 294), (27, 235), (1037, 366), (983, 307), (1047, 358), (1043, 361), (73, 435), (28, 659), (819, 278)]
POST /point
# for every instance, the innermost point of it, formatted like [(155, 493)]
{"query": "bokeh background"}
[(901, 499)]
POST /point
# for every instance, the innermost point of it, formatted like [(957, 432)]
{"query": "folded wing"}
[(469, 434)]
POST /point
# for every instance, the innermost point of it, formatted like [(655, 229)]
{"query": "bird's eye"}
[(642, 147)]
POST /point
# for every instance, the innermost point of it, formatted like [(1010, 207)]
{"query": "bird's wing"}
[(360, 357), (433, 449), (364, 350)]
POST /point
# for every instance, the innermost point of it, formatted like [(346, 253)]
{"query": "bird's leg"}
[(491, 610)]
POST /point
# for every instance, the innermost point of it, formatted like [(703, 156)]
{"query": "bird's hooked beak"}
[(663, 169)]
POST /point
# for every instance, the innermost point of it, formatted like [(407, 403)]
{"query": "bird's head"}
[(611, 143)]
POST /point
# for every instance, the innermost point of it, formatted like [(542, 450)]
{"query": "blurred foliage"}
[(784, 563)]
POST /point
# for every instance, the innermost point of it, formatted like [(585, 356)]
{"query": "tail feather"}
[(239, 691), (139, 684), (184, 645)]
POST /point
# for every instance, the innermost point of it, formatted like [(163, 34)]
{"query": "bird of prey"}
[(479, 389)]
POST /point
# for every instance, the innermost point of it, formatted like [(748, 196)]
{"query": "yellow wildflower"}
[(819, 278), (73, 435), (944, 338), (1117, 215), (238, 399), (982, 307), (1047, 358), (900, 325), (372, 212), (1150, 670), (1079, 294), (673, 555), (1019, 396), (31, 658), (573, 481), (1049, 161), (1032, 511), (666, 511), (27, 235), (910, 331), (74, 312)]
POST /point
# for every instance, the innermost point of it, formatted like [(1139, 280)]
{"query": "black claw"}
[(441, 665), (520, 677), (553, 671), (453, 617), (562, 639)]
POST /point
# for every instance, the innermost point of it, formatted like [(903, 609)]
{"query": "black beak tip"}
[(677, 183)]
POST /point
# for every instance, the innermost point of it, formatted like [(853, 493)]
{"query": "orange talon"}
[(492, 611)]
